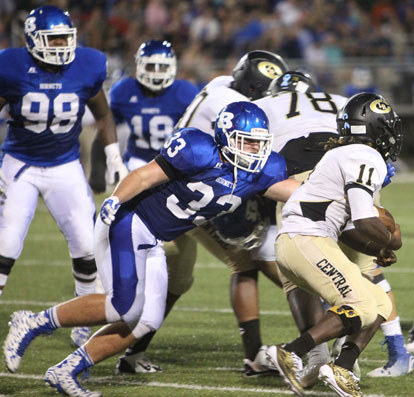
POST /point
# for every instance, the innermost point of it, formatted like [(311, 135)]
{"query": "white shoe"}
[(80, 335), (289, 366), (62, 378), (24, 327), (137, 363), (317, 357), (400, 362), (258, 367), (343, 382)]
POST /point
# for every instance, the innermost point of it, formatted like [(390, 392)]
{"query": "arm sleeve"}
[(361, 203), (166, 167)]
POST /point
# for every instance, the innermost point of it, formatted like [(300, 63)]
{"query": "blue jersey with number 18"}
[(151, 119), (46, 108), (201, 185)]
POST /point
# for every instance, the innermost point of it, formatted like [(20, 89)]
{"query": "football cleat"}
[(80, 335), (62, 377), (258, 367), (317, 357), (289, 366), (24, 327), (343, 382), (400, 362), (136, 364)]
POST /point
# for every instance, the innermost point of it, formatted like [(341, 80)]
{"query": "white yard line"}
[(114, 381)]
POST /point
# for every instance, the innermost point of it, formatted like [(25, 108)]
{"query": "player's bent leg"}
[(134, 360), (307, 310)]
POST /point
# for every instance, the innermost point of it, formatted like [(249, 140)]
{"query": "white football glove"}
[(108, 209), (3, 185), (115, 168)]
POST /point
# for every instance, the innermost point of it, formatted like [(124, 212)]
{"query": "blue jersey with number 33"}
[(202, 186), (151, 119), (46, 109)]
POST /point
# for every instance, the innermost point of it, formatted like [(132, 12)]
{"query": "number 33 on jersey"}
[(201, 185)]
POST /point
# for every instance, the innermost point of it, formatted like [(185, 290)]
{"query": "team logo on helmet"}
[(380, 106), (269, 69)]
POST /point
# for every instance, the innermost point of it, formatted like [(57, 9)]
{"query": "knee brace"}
[(84, 269), (254, 273), (5, 265), (350, 318)]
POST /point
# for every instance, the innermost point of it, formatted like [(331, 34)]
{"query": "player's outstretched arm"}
[(139, 180), (281, 191), (136, 182), (116, 169)]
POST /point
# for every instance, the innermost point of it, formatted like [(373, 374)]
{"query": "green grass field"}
[(198, 347)]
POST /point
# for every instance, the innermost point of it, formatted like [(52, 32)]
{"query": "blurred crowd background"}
[(346, 45)]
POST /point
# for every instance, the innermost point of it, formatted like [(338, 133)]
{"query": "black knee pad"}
[(6, 265), (84, 270), (350, 318)]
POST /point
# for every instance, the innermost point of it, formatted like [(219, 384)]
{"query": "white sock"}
[(392, 327)]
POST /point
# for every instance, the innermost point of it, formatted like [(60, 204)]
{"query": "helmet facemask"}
[(389, 140), (53, 55), (248, 150), (156, 72)]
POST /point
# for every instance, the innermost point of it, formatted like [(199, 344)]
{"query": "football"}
[(386, 218)]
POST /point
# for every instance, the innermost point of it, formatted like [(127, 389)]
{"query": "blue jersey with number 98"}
[(46, 109), (201, 185)]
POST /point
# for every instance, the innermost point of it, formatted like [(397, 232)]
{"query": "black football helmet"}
[(292, 81), (370, 118), (255, 71)]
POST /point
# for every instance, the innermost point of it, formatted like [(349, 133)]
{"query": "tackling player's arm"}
[(136, 182), (139, 180), (281, 191)]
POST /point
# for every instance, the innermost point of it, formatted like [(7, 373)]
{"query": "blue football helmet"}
[(43, 24), (292, 81), (243, 136), (156, 65)]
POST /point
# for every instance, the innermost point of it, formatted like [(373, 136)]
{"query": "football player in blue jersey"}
[(152, 103), (193, 179), (47, 86), (249, 80)]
